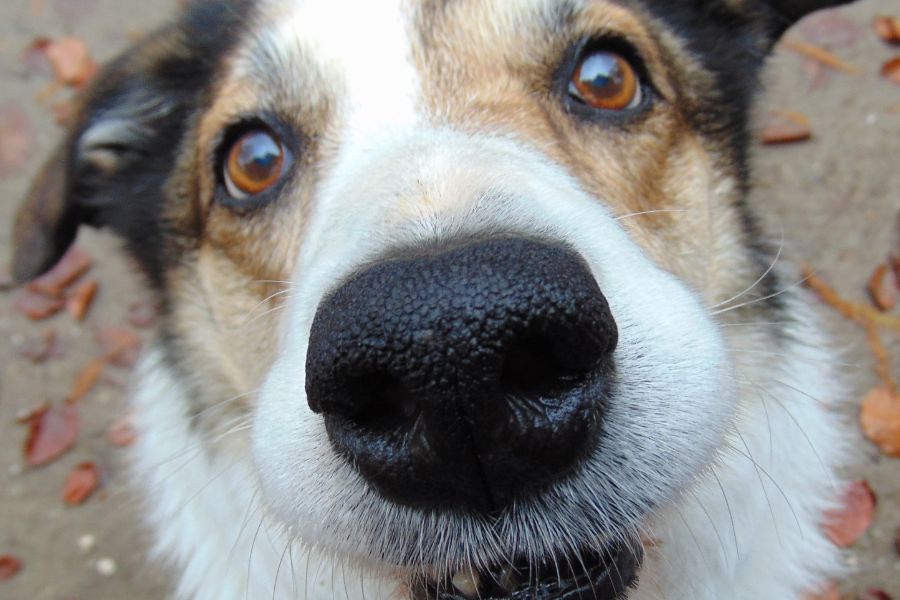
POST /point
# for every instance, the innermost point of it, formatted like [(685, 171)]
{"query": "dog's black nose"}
[(467, 376)]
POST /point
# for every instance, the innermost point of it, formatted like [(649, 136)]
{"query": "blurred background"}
[(827, 173)]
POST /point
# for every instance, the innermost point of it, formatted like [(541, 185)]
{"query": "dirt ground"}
[(837, 198)]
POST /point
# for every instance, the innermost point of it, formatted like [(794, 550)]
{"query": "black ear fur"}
[(112, 167)]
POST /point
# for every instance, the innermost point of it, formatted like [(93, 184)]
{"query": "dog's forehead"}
[(385, 62), (361, 51)]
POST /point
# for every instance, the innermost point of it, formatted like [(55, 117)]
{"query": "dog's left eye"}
[(254, 163), (606, 80)]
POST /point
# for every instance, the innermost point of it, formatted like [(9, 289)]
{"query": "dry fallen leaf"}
[(142, 314), (71, 61), (891, 70), (9, 566), (119, 345), (887, 28), (52, 432), (40, 349), (832, 29), (86, 380), (80, 299), (785, 127), (121, 433), (874, 594), (34, 56), (880, 419), (74, 263), (16, 139), (845, 525), (35, 306), (883, 288), (82, 482), (830, 592)]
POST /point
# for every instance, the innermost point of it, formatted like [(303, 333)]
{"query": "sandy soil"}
[(836, 197)]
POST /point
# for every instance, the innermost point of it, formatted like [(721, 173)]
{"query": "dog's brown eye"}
[(254, 163), (607, 81)]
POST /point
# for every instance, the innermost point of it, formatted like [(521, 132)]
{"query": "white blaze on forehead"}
[(364, 45)]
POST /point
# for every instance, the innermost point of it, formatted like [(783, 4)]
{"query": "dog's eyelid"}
[(621, 87)]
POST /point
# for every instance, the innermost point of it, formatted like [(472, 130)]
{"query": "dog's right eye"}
[(606, 80), (255, 162)]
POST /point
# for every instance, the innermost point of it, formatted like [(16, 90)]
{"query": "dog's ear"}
[(111, 168), (788, 12)]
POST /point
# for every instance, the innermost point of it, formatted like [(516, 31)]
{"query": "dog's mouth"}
[(587, 575)]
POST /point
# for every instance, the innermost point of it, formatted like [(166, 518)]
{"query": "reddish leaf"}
[(831, 28), (34, 56), (80, 299), (874, 594), (891, 70), (887, 28), (35, 306), (42, 348), (74, 263), (9, 566), (845, 525), (121, 433), (16, 139), (71, 61), (880, 419), (830, 592), (82, 482), (26, 415), (52, 432), (142, 314), (785, 127), (120, 346)]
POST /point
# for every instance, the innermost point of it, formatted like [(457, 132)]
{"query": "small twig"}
[(820, 55), (854, 311)]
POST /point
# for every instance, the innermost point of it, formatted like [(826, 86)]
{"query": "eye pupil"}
[(602, 73), (254, 163), (605, 80)]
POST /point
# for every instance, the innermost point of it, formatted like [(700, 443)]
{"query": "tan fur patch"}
[(486, 68)]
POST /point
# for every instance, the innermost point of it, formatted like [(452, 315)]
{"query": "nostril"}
[(535, 366), (382, 402)]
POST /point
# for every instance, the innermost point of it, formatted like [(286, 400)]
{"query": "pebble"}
[(106, 567), (86, 543)]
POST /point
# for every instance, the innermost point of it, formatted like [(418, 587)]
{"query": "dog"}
[(461, 299)]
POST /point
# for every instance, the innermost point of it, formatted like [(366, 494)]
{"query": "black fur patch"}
[(129, 200), (732, 46)]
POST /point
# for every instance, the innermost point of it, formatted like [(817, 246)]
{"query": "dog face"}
[(461, 261)]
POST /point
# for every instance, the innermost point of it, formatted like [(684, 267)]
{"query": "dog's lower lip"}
[(604, 575)]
